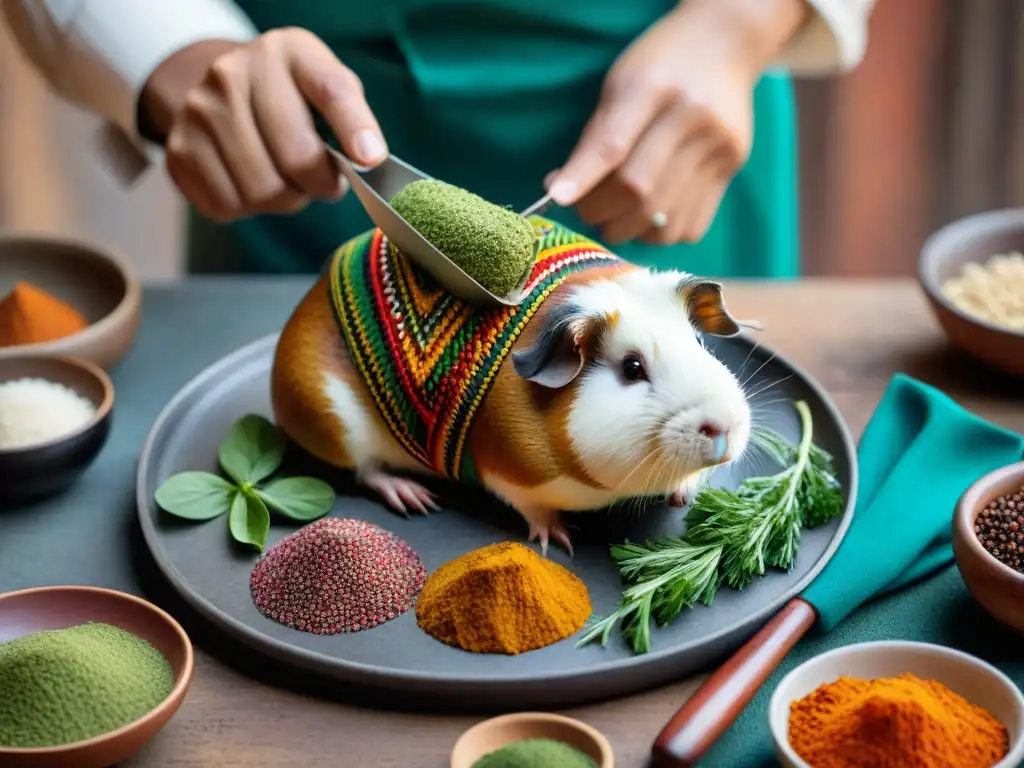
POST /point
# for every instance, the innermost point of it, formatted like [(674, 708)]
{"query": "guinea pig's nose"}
[(719, 436), (712, 429)]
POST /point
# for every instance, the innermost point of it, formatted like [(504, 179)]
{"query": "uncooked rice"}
[(34, 411), (992, 291)]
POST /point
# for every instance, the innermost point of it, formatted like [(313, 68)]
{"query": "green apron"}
[(491, 95)]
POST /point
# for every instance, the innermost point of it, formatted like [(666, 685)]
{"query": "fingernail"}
[(369, 146), (342, 189), (562, 192)]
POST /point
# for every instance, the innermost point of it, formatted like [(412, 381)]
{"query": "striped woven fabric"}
[(428, 358)]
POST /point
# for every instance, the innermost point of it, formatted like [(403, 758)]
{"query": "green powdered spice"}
[(64, 685), (494, 245), (535, 753)]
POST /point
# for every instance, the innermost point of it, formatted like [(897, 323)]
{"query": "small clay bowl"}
[(46, 468), (33, 610), (973, 239), (489, 735), (975, 680), (99, 283), (997, 587)]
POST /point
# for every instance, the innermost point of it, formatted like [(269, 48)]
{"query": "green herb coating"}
[(535, 753), (65, 685), (493, 245)]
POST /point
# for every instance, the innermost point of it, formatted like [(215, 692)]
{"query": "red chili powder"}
[(336, 575)]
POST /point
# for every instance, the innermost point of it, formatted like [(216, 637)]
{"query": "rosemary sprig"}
[(732, 537)]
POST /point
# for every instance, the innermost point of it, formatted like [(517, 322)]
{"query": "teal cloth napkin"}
[(918, 454)]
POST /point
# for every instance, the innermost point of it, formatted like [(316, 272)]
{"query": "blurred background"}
[(930, 127)]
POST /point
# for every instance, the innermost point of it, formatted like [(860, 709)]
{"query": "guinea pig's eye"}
[(633, 368)]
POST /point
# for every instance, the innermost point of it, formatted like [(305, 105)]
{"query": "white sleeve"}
[(833, 42), (99, 54)]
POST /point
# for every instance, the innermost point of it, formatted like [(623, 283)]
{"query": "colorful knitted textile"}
[(428, 358)]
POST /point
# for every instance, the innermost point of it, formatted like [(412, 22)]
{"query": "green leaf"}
[(300, 498), (252, 450), (195, 495), (249, 520)]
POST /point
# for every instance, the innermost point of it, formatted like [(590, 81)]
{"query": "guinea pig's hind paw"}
[(399, 491)]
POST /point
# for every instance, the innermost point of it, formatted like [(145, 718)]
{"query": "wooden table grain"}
[(852, 335)]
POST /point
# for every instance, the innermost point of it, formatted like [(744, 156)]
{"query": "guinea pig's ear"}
[(557, 355), (706, 306)]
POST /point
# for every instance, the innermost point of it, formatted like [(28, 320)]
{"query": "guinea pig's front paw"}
[(685, 493), (546, 525), (679, 498), (399, 491)]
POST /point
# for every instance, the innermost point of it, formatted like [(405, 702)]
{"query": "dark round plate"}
[(213, 576)]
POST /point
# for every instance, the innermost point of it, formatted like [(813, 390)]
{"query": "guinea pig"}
[(608, 393)]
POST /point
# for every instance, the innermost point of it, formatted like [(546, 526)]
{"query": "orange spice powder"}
[(898, 722), (30, 315)]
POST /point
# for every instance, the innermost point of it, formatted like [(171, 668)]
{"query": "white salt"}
[(34, 411)]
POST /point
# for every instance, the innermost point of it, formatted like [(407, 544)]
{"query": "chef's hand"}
[(237, 126), (675, 120)]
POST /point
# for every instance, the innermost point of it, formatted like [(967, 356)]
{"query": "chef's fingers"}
[(336, 92), (694, 210), (621, 118), (195, 165), (286, 125), (678, 179), (222, 107), (605, 202)]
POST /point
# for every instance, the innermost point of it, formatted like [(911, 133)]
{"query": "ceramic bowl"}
[(973, 239), (33, 610), (997, 587), (46, 468), (94, 280), (975, 680), (495, 733)]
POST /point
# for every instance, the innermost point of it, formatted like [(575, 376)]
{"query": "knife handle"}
[(719, 700)]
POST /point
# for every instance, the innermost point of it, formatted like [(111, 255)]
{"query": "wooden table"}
[(850, 335)]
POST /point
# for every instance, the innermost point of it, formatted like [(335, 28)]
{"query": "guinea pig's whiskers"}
[(765, 387), (756, 448), (678, 467), (746, 360), (762, 413), (764, 405), (762, 365), (652, 479), (639, 499), (644, 460)]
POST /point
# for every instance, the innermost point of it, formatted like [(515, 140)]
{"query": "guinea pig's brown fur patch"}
[(310, 347), (521, 432)]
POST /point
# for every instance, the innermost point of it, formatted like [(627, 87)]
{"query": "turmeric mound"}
[(503, 598), (899, 722), (30, 315)]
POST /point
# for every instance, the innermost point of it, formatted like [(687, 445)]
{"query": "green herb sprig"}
[(250, 454), (732, 537)]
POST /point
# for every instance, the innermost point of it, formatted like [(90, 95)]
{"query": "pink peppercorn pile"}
[(336, 575)]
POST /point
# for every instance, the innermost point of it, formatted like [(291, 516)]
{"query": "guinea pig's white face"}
[(651, 406)]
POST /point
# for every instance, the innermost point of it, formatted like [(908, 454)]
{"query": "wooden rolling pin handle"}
[(718, 702)]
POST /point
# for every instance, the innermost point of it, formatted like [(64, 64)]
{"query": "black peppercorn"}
[(1000, 529)]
